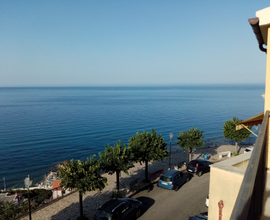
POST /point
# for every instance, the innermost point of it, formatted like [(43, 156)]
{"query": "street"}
[(162, 204)]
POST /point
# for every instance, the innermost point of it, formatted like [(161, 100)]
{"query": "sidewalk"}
[(68, 207)]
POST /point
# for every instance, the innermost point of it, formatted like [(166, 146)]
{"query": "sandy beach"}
[(68, 207)]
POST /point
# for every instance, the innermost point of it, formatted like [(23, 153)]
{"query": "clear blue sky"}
[(86, 43)]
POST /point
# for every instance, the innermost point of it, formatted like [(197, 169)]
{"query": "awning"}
[(255, 120)]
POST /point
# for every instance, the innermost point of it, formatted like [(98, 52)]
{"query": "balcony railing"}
[(249, 202)]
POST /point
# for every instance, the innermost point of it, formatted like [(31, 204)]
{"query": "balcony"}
[(253, 196), (242, 184)]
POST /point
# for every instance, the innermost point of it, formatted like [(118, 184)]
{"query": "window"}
[(120, 210), (103, 214), (178, 176), (192, 164), (125, 207), (166, 179)]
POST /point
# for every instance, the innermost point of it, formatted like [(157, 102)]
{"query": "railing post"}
[(220, 206)]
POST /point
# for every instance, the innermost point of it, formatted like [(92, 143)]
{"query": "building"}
[(239, 187), (57, 189)]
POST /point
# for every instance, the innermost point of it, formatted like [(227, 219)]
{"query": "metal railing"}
[(249, 202), (43, 199)]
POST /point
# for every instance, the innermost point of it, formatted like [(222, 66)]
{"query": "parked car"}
[(173, 179), (207, 201), (248, 149), (198, 166), (123, 208), (202, 216)]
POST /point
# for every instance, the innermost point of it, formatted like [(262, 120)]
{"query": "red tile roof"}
[(56, 185)]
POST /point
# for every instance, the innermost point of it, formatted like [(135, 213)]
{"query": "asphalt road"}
[(162, 204)]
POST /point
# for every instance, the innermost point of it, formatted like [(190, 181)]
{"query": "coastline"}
[(138, 170), (212, 155), (68, 206), (31, 144)]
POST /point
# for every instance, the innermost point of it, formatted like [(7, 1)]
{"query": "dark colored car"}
[(123, 208), (173, 179), (198, 166), (201, 216)]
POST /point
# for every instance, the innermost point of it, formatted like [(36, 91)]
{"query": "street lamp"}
[(5, 189), (28, 183), (171, 136)]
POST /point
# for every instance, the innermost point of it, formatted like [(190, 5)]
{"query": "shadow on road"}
[(190, 176), (150, 187), (147, 203)]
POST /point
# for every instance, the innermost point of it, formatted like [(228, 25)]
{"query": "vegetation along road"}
[(165, 204)]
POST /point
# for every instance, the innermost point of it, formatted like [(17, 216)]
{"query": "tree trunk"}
[(236, 147), (190, 152), (146, 170), (117, 180), (81, 204)]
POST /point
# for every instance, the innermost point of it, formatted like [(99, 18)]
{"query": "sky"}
[(129, 43)]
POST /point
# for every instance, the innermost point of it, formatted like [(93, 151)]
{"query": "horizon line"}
[(135, 85)]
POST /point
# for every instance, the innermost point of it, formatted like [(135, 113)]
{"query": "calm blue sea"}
[(40, 127)]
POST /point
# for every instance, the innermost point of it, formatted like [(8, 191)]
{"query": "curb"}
[(154, 182)]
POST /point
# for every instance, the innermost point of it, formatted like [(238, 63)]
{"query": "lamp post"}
[(5, 189), (171, 136), (28, 183)]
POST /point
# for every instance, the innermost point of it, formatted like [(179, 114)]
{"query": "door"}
[(127, 212), (182, 178), (178, 179)]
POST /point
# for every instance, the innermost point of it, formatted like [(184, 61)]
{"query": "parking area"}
[(162, 204)]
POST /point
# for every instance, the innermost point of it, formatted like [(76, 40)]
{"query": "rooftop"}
[(56, 185), (264, 21)]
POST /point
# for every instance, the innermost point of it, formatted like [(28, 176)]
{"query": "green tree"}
[(8, 211), (146, 147), (230, 132), (190, 140), (83, 176), (116, 159)]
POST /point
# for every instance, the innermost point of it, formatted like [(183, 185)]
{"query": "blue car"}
[(173, 179)]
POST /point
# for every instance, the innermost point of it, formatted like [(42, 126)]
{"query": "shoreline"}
[(67, 207), (212, 155), (176, 157), (33, 148)]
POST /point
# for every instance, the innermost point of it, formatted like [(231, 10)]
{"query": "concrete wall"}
[(243, 164), (225, 181), (224, 186), (57, 193), (264, 18)]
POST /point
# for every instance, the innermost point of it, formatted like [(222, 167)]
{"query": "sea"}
[(43, 126)]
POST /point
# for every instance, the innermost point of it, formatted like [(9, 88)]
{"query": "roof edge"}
[(254, 23)]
